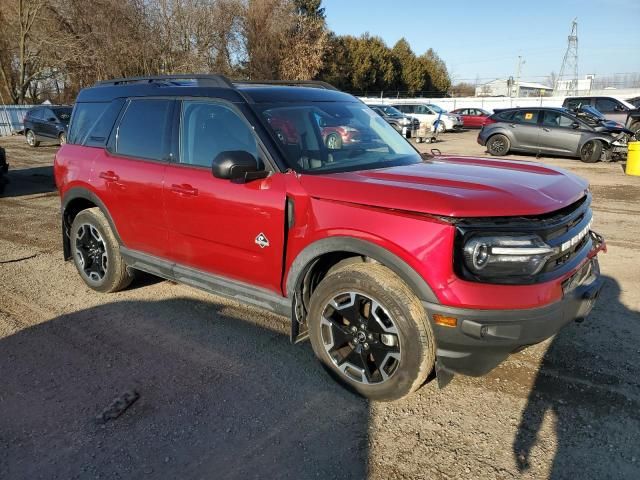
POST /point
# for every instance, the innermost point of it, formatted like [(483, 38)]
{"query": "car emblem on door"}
[(262, 241)]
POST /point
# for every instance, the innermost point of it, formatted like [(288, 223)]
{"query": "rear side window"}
[(575, 103), (504, 116), (143, 131), (526, 116), (85, 116), (35, 114)]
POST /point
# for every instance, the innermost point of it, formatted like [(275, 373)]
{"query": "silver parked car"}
[(556, 131)]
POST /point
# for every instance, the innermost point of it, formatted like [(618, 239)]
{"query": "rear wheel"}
[(32, 141), (591, 151), (96, 253), (62, 138), (439, 127), (498, 145), (370, 331), (635, 128)]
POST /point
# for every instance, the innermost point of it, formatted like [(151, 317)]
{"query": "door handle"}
[(512, 125), (546, 129), (184, 189), (109, 176)]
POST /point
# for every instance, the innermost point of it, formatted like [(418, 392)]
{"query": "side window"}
[(48, 115), (207, 129), (422, 110), (405, 108), (83, 119), (556, 119), (575, 103), (143, 129), (606, 105), (35, 114), (505, 116), (526, 116), (464, 111)]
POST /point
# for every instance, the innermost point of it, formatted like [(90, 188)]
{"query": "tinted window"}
[(35, 114), (504, 116), (556, 119), (48, 115), (99, 133), (575, 103), (526, 116), (85, 116), (208, 129), (606, 104), (63, 114), (405, 108), (143, 129)]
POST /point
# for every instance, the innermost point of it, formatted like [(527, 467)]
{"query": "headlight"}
[(506, 255)]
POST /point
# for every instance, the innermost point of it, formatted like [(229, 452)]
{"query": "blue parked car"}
[(48, 123)]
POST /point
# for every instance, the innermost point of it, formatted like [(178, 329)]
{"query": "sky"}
[(484, 38)]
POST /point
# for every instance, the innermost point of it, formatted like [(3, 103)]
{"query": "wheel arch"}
[(74, 201), (318, 258)]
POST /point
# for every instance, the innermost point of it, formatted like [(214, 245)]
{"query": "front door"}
[(218, 226)]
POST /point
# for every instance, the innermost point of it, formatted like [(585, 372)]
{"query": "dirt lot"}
[(224, 395)]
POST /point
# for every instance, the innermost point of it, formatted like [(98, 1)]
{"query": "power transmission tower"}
[(570, 63)]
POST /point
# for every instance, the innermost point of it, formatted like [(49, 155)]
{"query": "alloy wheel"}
[(31, 139), (91, 252), (361, 338), (498, 145)]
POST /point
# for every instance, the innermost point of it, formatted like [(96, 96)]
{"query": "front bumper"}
[(482, 339)]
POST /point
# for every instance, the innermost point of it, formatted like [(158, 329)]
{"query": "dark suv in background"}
[(47, 123)]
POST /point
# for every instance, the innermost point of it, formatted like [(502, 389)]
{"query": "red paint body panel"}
[(186, 215)]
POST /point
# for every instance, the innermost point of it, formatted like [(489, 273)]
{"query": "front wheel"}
[(498, 145), (96, 253), (370, 331), (62, 138), (439, 127), (591, 151), (333, 141)]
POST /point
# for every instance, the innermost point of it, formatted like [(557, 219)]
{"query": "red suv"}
[(393, 264)]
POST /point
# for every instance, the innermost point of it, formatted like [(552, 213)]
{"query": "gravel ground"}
[(224, 395)]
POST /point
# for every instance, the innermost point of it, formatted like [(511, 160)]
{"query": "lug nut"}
[(353, 328), (366, 346)]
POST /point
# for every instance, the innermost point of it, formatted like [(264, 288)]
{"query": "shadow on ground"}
[(219, 398), (29, 181), (596, 413)]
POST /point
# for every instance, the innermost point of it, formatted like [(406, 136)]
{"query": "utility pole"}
[(569, 63), (520, 63)]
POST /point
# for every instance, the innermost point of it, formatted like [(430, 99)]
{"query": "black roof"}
[(215, 86)]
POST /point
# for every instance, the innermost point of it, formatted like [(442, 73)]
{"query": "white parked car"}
[(437, 118)]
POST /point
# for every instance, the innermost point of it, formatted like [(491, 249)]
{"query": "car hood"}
[(454, 187)]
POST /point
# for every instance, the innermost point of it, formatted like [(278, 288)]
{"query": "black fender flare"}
[(306, 258), (75, 193)]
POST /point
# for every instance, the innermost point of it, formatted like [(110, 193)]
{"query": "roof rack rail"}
[(299, 83), (204, 80)]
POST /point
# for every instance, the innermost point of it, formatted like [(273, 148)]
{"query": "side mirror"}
[(237, 165), (575, 125)]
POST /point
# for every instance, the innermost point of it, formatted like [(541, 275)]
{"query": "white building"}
[(509, 88), (583, 85)]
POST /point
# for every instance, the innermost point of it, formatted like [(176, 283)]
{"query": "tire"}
[(62, 138), (439, 127), (396, 343), (96, 253), (498, 145), (591, 151), (333, 141), (31, 138), (635, 128)]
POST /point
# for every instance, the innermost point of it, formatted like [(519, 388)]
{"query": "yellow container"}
[(633, 159)]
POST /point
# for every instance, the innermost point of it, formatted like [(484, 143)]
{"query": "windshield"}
[(328, 137), (64, 114)]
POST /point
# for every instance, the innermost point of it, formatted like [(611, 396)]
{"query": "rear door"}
[(525, 129), (225, 228), (558, 135), (49, 123), (129, 174)]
